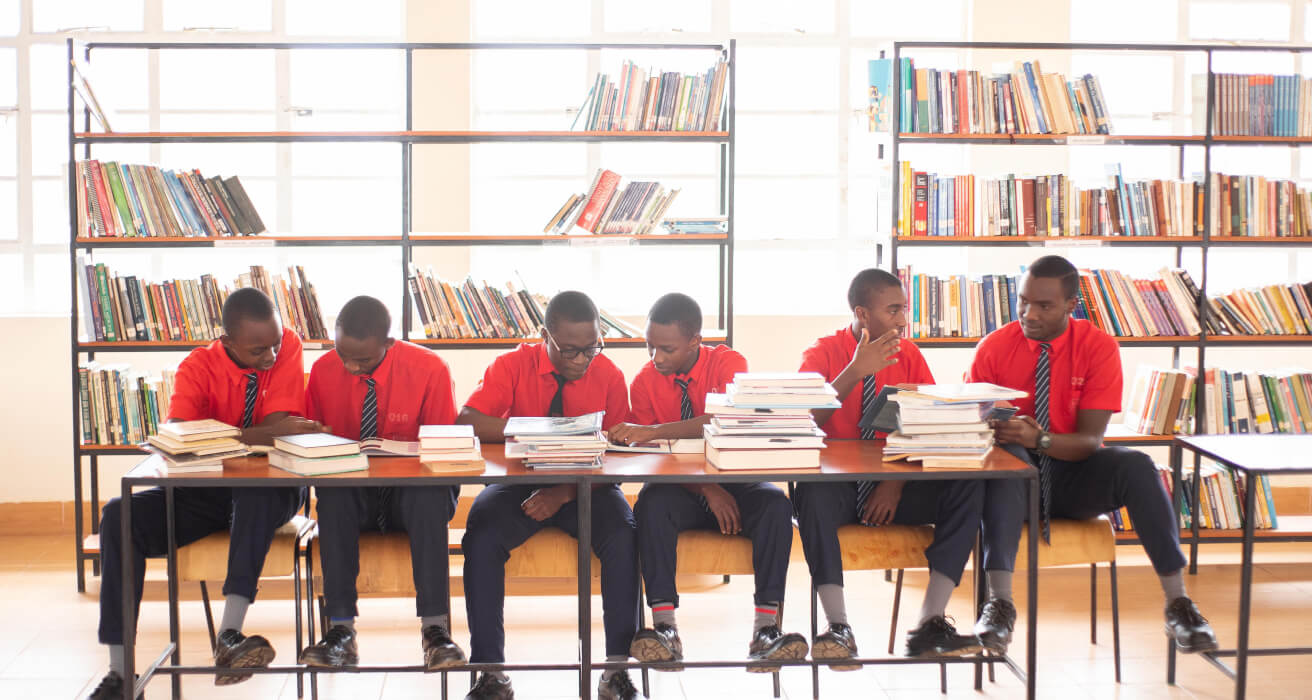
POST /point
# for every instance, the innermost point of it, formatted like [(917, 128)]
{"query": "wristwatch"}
[(1044, 441)]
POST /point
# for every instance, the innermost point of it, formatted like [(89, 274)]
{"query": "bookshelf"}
[(406, 239), (1291, 529)]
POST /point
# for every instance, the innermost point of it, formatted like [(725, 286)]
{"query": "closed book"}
[(528, 426), (755, 380), (313, 445), (763, 459), (437, 437), (306, 466), (194, 430)]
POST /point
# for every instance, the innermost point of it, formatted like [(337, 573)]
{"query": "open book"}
[(682, 446), (382, 447)]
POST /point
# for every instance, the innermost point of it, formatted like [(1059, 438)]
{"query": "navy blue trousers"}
[(422, 512), (1109, 479), (665, 510), (953, 507), (252, 515), (497, 524)]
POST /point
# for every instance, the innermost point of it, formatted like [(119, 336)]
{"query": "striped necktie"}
[(252, 393), (869, 391), (1041, 382), (685, 401), (368, 429), (557, 408)]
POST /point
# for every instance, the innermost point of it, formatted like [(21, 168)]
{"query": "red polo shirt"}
[(210, 385), (519, 383), (831, 354), (1084, 370), (412, 385), (657, 399)]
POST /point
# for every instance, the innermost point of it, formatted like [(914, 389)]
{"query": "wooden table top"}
[(1264, 454), (840, 460)]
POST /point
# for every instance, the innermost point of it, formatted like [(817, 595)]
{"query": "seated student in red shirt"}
[(375, 386), (669, 401), (566, 375), (859, 360), (252, 377), (1072, 372)]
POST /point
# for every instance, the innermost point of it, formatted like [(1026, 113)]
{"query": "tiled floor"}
[(48, 649)]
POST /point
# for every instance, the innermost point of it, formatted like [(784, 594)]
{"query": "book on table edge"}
[(731, 459), (193, 430), (676, 446), (529, 426), (318, 465), (315, 445)]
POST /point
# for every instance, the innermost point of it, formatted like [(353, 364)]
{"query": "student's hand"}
[(874, 355), (882, 504), (264, 434), (544, 503), (1021, 430), (628, 433), (725, 509)]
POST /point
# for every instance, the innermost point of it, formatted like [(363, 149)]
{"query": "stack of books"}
[(135, 201), (197, 445), (312, 454), (763, 421), (556, 443), (944, 426), (448, 448), (118, 308)]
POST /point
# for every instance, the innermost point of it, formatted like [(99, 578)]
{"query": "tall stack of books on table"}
[(763, 421), (312, 454), (450, 448), (944, 426), (197, 445), (556, 443)]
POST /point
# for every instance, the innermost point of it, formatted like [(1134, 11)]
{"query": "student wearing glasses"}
[(565, 375)]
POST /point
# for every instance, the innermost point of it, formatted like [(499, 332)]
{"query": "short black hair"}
[(679, 309), (247, 303), (866, 283), (365, 317), (1058, 268), (571, 306)]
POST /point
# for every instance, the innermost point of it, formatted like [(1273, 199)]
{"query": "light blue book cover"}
[(881, 84)]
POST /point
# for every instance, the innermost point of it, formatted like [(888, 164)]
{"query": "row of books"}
[(1163, 400), (1127, 307), (119, 406), (1278, 309), (1045, 205), (650, 100), (1256, 206), (1023, 101), (1260, 105), (635, 209), (1221, 500), (957, 306), (127, 308), (479, 310), (123, 200)]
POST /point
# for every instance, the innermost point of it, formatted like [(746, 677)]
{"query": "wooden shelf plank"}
[(394, 136), (491, 343), (1059, 139), (1055, 240), (1290, 526), (169, 345), (1163, 340), (1261, 240)]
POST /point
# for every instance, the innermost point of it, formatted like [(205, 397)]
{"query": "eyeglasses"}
[(571, 353)]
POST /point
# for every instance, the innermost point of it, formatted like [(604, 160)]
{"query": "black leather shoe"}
[(491, 687), (937, 637), (659, 644), (836, 643), (768, 643), (439, 650), (110, 688), (995, 625), (336, 649), (1188, 627), (235, 650), (617, 687)]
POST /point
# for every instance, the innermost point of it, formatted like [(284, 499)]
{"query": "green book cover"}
[(107, 317), (120, 199)]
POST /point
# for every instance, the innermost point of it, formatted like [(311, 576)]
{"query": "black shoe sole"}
[(826, 650), (456, 658), (259, 657), (1195, 649), (789, 651), (651, 651), (316, 662), (993, 645), (968, 650)]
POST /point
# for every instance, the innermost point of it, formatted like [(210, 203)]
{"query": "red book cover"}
[(592, 211), (920, 222)]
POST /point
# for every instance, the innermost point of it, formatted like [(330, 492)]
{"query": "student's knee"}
[(110, 517), (776, 509), (653, 503), (331, 500), (814, 502), (1136, 469)]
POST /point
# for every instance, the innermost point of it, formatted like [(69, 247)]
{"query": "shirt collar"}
[(698, 368), (1057, 345), (383, 371), (542, 359), (229, 366)]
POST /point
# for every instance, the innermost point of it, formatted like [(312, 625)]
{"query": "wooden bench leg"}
[(897, 603), (1116, 624)]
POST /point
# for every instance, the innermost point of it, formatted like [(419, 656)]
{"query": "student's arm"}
[(284, 398), (871, 356), (642, 425), (1090, 426), (489, 429)]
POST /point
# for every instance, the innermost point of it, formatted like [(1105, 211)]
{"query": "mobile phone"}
[(1000, 413)]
